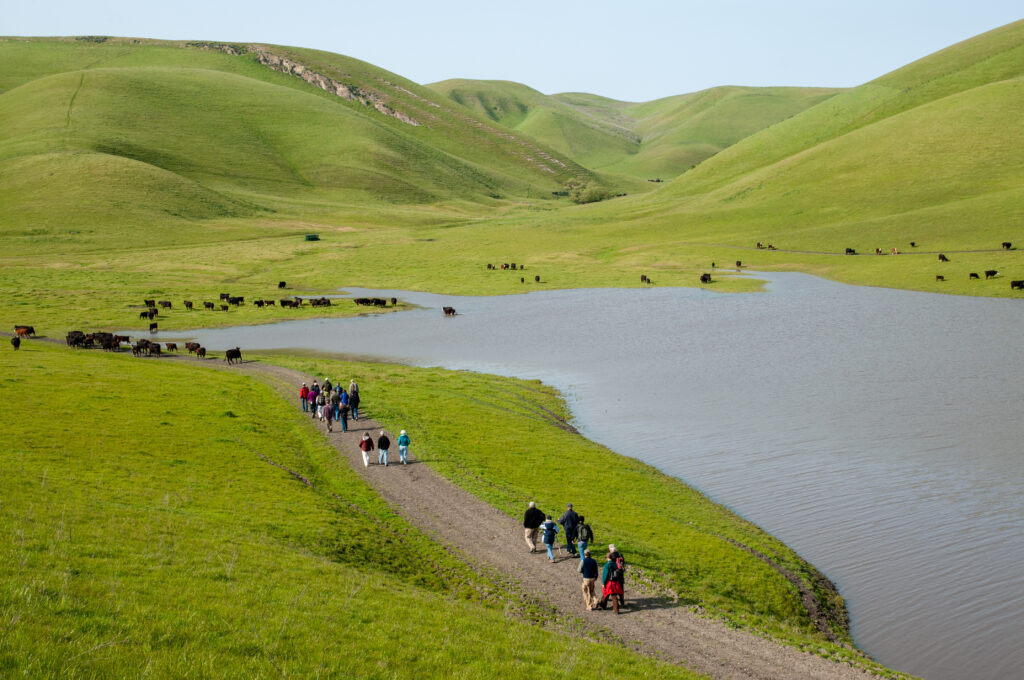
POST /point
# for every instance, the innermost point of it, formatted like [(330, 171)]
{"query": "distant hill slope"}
[(182, 131), (931, 152), (658, 139)]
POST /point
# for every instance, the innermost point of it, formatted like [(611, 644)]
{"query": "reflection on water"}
[(877, 432)]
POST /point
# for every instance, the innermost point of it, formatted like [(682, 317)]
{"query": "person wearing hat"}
[(366, 445), (403, 447), (304, 398), (327, 385), (569, 520), (383, 444)]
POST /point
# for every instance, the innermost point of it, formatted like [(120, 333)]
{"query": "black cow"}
[(536, 278), (643, 278), (739, 265), (152, 327), (940, 277), (851, 251), (259, 303), (225, 296), (974, 275), (943, 258), (449, 311), (201, 352), (989, 273), (1007, 245), (15, 342), (223, 308), (705, 278), (233, 355), (143, 315), (1016, 285), (394, 302), (165, 304), (281, 284), (188, 305), (913, 244), (150, 303)]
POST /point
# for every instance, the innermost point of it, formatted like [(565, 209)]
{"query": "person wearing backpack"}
[(584, 536), (611, 577), (321, 401), (353, 405), (550, 529)]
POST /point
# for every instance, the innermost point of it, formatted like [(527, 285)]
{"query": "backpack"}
[(585, 534), (619, 570)]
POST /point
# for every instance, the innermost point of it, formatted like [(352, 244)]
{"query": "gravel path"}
[(650, 623)]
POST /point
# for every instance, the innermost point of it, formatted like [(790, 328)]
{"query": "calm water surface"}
[(877, 432)]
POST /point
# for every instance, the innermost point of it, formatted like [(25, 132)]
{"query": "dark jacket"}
[(588, 567), (550, 529), (353, 400), (569, 519), (383, 442), (533, 518)]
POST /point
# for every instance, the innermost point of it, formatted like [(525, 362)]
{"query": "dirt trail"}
[(650, 623)]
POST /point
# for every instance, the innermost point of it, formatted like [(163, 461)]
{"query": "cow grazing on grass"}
[(281, 284), (223, 308), (974, 275), (448, 311), (24, 331), (940, 277), (152, 327), (851, 251), (15, 342), (990, 273), (269, 303), (705, 278), (154, 348), (208, 305), (143, 315), (233, 355), (188, 305), (233, 300), (1016, 285), (943, 258), (171, 346), (258, 303), (165, 304), (1007, 245), (225, 296), (201, 352), (643, 278), (149, 303), (191, 347)]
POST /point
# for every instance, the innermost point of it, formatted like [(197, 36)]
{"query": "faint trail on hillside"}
[(651, 623), (71, 103)]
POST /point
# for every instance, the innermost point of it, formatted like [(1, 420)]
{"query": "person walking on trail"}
[(312, 403), (353, 405), (383, 444), (550, 530), (328, 416), (335, 403), (304, 398), (588, 568), (353, 388), (569, 520), (343, 417), (584, 536), (403, 447), (621, 571), (532, 519), (327, 385), (321, 403), (366, 445), (611, 578)]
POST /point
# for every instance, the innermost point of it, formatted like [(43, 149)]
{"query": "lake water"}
[(877, 432)]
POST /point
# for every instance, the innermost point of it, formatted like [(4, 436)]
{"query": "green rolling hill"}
[(651, 140)]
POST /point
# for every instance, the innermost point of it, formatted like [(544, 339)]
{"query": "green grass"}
[(143, 535), (499, 439)]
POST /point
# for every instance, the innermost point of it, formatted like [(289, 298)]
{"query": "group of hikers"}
[(332, 402), (578, 537)]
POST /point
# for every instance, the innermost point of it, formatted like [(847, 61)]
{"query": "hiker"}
[(304, 398), (328, 416), (621, 574), (321, 402), (569, 520), (584, 536), (612, 577), (312, 403), (366, 445), (550, 530), (327, 385), (353, 405), (588, 568), (335, 403), (343, 417), (383, 444), (403, 447), (353, 388), (532, 520)]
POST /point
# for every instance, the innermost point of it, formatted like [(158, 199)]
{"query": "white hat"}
[(611, 547), (402, 432)]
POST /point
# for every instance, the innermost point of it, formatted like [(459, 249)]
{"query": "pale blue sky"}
[(635, 51)]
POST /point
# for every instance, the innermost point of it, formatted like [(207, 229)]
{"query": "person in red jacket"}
[(304, 397), (366, 445)]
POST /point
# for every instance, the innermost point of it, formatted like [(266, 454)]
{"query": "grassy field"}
[(495, 437), (143, 535)]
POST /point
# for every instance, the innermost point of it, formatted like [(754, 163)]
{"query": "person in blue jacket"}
[(550, 529)]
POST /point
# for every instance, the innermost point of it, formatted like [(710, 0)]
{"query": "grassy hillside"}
[(651, 140), (144, 535)]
